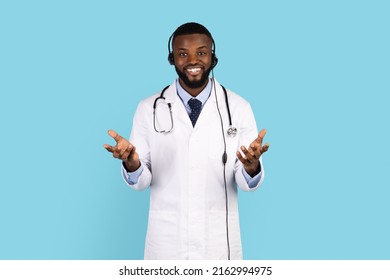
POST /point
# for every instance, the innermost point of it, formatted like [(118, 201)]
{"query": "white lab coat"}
[(187, 217)]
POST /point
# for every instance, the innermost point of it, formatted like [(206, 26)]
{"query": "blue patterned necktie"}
[(196, 107)]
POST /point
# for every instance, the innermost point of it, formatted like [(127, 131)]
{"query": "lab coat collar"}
[(202, 96)]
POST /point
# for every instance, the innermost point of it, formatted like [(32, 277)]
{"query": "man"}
[(180, 146)]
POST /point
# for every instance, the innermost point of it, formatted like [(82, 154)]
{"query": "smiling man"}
[(193, 144), (193, 61)]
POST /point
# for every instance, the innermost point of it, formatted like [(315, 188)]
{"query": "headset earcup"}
[(171, 60), (214, 60)]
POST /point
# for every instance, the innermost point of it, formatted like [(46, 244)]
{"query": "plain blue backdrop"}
[(317, 76)]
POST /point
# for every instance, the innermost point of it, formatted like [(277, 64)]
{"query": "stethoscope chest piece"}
[(232, 131)]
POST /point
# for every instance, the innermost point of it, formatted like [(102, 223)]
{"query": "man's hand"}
[(250, 160), (124, 150)]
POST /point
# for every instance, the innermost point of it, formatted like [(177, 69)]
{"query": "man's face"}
[(193, 55)]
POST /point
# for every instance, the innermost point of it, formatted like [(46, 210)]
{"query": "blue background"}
[(317, 76)]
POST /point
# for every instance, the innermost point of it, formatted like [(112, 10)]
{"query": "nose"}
[(192, 58)]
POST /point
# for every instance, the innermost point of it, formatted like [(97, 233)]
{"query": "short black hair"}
[(191, 28)]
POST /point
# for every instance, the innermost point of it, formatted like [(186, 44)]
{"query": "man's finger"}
[(126, 153), (254, 145), (240, 157), (245, 151), (265, 148), (132, 153), (260, 136), (108, 148), (249, 154), (114, 135)]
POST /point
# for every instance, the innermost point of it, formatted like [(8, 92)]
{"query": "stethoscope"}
[(231, 131)]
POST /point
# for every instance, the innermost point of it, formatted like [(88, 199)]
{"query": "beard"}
[(194, 84)]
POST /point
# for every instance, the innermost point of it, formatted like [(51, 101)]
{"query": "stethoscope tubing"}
[(232, 131)]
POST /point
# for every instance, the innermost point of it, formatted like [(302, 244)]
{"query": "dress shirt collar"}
[(185, 96)]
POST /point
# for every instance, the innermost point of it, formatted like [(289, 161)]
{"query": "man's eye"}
[(201, 53), (182, 54)]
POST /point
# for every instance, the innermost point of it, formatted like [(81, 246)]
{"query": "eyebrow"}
[(198, 48)]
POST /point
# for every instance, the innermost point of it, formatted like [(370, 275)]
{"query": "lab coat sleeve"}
[(248, 133), (139, 138)]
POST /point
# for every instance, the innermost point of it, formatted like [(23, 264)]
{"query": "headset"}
[(171, 58)]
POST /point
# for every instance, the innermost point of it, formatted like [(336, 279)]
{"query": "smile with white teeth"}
[(195, 70)]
